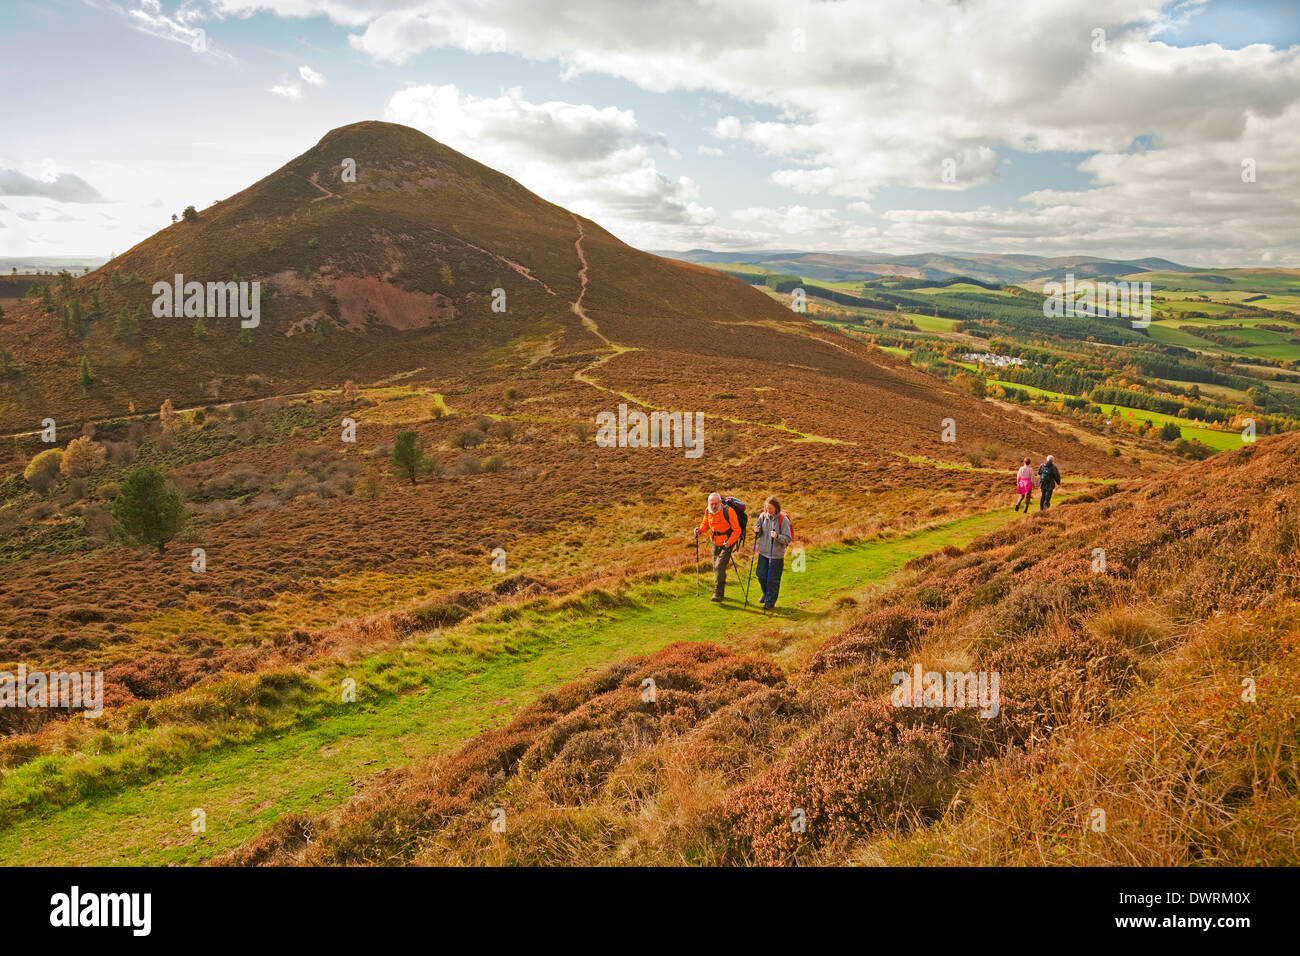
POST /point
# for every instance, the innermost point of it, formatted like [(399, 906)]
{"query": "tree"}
[(245, 336), (174, 217), (82, 456), (43, 470), (86, 375), (7, 364), (96, 307), (168, 418), (409, 459), (73, 317), (2, 314), (200, 329), (149, 513), (128, 326), (1170, 431), (190, 214), (47, 298)]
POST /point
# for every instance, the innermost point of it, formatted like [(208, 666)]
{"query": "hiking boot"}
[(716, 599), (768, 607)]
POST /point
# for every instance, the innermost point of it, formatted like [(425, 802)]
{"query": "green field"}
[(931, 323), (1215, 438), (1214, 281), (1029, 389)]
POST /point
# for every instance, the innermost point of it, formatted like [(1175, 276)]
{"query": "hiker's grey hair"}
[(1049, 458)]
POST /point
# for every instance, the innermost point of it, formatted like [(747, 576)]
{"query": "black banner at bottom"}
[(946, 906)]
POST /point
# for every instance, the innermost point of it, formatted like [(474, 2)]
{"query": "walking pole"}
[(697, 563), (753, 551), (771, 545)]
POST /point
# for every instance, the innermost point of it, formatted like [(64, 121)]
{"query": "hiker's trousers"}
[(1045, 497), (721, 558), (769, 576)]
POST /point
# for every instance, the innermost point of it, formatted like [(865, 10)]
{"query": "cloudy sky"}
[(1106, 127)]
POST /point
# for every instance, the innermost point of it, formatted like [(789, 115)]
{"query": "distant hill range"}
[(865, 266)]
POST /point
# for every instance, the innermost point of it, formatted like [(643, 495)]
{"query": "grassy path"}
[(313, 767)]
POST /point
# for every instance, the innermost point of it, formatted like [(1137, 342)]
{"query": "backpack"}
[(742, 519), (1045, 475)]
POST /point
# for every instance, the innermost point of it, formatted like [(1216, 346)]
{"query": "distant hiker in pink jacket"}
[(1024, 486)]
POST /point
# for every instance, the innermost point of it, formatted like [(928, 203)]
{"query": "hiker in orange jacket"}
[(721, 523)]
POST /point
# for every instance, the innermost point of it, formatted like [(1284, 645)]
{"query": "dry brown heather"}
[(1120, 691), (299, 555)]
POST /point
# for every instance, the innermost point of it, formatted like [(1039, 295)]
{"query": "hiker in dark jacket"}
[(774, 535), (1049, 476), (723, 527)]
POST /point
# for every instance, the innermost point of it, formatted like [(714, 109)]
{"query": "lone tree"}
[(409, 459), (86, 374), (147, 511), (167, 418), (190, 214)]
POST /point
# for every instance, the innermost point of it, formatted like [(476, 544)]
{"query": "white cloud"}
[(594, 160), (178, 27), (311, 76), (884, 93), (865, 108), (63, 187)]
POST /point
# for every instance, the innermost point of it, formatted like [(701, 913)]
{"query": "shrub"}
[(43, 470), (470, 438), (468, 465), (493, 463), (368, 485), (81, 457)]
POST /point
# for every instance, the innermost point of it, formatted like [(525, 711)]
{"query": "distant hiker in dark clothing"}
[(774, 535), (1049, 476), (723, 526), (1024, 486)]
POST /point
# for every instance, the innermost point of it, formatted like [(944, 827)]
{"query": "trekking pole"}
[(771, 546), (697, 563), (748, 577)]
